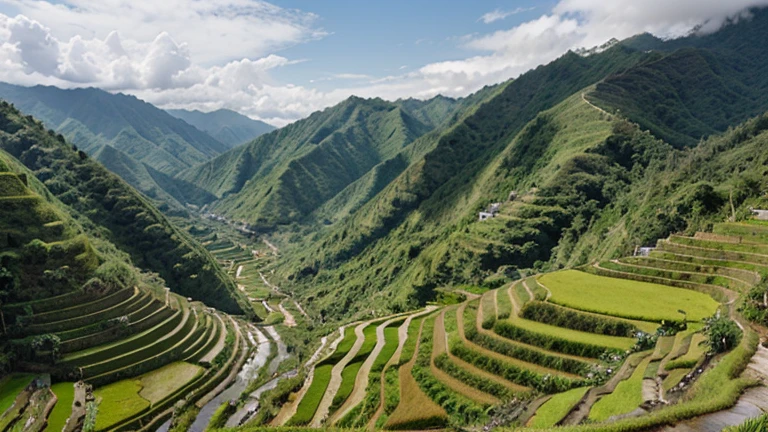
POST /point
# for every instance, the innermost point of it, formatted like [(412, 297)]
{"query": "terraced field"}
[(557, 349), (249, 265), (139, 347), (563, 347)]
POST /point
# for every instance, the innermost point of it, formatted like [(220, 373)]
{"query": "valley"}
[(581, 248)]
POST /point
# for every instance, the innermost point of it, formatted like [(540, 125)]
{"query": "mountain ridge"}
[(226, 126)]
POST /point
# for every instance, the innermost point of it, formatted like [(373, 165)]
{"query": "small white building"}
[(760, 214), (489, 212), (643, 251)]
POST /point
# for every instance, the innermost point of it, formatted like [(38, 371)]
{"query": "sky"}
[(279, 61)]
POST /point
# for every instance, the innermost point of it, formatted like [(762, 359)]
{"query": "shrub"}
[(550, 343), (722, 333), (515, 374), (561, 317)]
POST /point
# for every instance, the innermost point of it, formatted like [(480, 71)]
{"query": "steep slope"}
[(439, 193), (226, 126), (142, 139), (91, 118), (687, 191), (117, 212), (287, 174), (696, 86), (568, 162), (74, 308)]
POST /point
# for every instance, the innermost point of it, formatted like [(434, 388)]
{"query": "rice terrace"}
[(204, 227)]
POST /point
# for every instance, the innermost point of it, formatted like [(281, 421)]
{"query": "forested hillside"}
[(286, 175), (146, 145), (544, 137), (117, 212)]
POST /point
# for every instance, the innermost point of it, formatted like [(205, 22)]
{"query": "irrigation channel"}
[(248, 373)]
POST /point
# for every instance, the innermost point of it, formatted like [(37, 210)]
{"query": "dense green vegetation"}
[(373, 207), (284, 176), (113, 210)]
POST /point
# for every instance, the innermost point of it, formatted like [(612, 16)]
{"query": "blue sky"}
[(376, 38), (281, 60)]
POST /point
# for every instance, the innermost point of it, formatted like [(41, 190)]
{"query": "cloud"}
[(211, 54), (214, 30), (498, 14)]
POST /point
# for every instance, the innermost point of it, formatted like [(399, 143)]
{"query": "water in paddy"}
[(249, 371)]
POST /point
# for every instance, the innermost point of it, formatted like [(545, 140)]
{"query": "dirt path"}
[(752, 403), (274, 248), (301, 309), (469, 367), (549, 292), (333, 386), (661, 269), (595, 106), (494, 354), (581, 411), (268, 283), (402, 334), (440, 346), (468, 295), (289, 321), (515, 306), (267, 306), (528, 290), (361, 381), (289, 409)]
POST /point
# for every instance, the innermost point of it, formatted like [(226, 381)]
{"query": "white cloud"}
[(211, 54), (214, 30), (498, 14)]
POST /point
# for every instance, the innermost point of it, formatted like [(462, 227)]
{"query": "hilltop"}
[(226, 126)]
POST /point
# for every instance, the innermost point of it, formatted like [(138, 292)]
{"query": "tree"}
[(722, 334)]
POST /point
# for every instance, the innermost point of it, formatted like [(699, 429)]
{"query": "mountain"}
[(114, 211), (143, 142), (574, 140), (226, 126), (75, 307), (286, 175)]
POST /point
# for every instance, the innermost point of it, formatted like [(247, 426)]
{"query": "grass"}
[(349, 374), (409, 346), (520, 295), (663, 347), (415, 409), (626, 298), (10, 387), (557, 407), (161, 383), (695, 352), (627, 396), (503, 303), (119, 401), (65, 393), (309, 403), (674, 378), (391, 340), (621, 343)]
